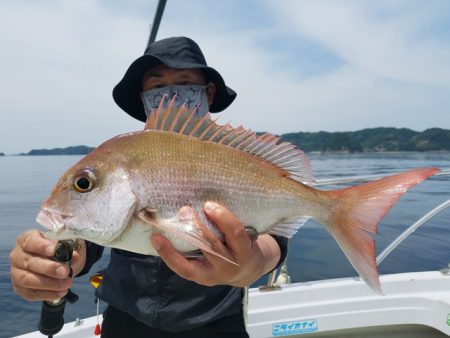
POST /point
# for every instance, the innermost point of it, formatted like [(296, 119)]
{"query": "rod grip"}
[(52, 318)]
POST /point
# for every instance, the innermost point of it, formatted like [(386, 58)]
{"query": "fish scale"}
[(219, 176)]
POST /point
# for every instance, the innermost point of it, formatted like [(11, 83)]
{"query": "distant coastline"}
[(74, 150), (366, 140), (372, 140)]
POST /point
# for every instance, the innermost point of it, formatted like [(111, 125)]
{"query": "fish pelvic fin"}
[(185, 229), (285, 157), (357, 210)]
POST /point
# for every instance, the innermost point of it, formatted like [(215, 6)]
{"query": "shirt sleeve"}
[(93, 254), (283, 244)]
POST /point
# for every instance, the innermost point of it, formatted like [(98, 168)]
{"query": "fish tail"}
[(356, 211)]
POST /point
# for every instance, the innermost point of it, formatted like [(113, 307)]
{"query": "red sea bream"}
[(134, 184)]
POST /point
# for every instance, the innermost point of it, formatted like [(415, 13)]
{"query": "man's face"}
[(161, 76)]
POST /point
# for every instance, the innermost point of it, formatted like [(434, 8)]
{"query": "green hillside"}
[(374, 139)]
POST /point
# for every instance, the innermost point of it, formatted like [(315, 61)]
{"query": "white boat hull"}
[(340, 307), (414, 305)]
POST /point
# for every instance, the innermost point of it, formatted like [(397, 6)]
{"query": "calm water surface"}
[(313, 255)]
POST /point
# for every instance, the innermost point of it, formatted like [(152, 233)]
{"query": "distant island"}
[(2, 154), (75, 150), (366, 140)]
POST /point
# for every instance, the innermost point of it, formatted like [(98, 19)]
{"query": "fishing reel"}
[(52, 312)]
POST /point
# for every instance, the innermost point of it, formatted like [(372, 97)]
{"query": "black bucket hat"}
[(178, 53)]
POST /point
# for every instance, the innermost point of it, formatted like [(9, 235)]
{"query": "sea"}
[(27, 180)]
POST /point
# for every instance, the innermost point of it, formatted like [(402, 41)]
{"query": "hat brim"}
[(127, 92)]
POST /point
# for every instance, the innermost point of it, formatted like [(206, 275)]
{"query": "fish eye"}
[(84, 181)]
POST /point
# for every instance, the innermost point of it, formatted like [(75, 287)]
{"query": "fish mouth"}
[(53, 220)]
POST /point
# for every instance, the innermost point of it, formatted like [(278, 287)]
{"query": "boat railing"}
[(275, 279)]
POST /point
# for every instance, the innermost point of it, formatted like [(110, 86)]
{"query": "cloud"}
[(392, 73), (389, 45)]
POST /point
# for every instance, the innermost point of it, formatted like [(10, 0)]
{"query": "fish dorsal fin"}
[(291, 160)]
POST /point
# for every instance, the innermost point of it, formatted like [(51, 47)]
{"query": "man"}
[(170, 295)]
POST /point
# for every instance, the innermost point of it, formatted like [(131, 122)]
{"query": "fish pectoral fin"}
[(186, 229), (288, 228)]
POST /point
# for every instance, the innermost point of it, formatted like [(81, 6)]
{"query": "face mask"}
[(191, 95)]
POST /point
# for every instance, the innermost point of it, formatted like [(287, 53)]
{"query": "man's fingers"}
[(30, 280), (37, 264), (32, 241), (78, 259), (39, 295), (212, 270), (216, 244), (236, 237)]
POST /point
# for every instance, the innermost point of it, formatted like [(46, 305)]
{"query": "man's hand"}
[(34, 274), (253, 259)]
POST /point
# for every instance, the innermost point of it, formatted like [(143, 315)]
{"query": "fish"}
[(134, 184)]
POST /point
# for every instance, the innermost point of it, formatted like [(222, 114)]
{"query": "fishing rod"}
[(156, 21)]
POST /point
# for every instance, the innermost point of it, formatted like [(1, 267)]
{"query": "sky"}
[(297, 65)]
